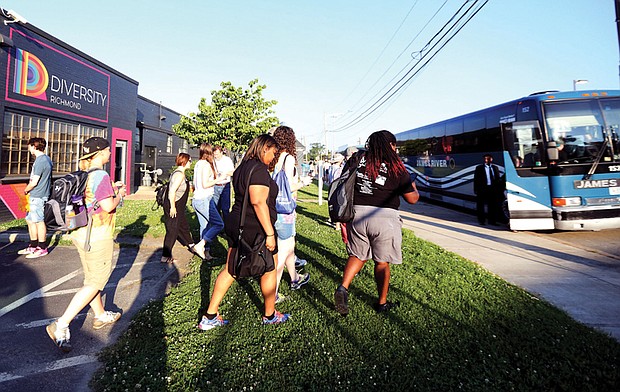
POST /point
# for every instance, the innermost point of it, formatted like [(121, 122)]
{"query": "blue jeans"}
[(221, 197), (211, 223)]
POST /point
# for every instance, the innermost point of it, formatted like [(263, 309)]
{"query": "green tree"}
[(234, 117), (315, 151)]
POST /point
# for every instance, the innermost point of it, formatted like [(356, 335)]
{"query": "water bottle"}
[(77, 203), (70, 217)]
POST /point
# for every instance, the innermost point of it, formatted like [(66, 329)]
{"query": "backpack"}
[(285, 203), (161, 193), (64, 189), (341, 190)]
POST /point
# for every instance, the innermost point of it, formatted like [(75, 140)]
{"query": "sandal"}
[(168, 260)]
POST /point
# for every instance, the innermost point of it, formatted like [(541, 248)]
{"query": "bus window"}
[(611, 112), (577, 127), (524, 142)]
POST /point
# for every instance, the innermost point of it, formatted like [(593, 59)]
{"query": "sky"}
[(327, 62)]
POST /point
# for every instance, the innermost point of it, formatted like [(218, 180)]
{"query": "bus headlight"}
[(566, 201)]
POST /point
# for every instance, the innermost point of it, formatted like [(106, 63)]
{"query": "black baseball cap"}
[(93, 145)]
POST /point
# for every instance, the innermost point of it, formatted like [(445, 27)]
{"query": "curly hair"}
[(379, 150), (285, 136)]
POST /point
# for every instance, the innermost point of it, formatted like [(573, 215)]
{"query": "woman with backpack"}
[(285, 224), (211, 223), (376, 229), (101, 199), (177, 227)]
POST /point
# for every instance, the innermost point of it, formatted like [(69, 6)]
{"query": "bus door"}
[(528, 198)]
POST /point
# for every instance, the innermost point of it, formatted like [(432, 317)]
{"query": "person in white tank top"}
[(211, 223)]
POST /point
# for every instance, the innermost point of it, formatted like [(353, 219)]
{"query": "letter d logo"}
[(31, 78)]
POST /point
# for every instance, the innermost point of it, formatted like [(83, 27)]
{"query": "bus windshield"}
[(580, 129)]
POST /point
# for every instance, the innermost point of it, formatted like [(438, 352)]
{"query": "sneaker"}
[(341, 299), (300, 262), (29, 250), (206, 324), (386, 307), (280, 298), (61, 337), (278, 318), (37, 253), (199, 249), (106, 319), (303, 279)]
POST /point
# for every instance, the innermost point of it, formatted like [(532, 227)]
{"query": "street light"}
[(578, 81)]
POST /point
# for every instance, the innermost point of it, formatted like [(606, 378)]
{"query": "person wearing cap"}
[(38, 191), (101, 198), (335, 169)]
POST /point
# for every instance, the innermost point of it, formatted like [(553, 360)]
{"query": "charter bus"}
[(557, 151)]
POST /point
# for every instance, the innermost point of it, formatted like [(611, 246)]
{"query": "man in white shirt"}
[(487, 187), (221, 195)]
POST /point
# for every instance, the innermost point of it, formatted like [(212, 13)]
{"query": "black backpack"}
[(72, 185), (341, 190), (161, 193)]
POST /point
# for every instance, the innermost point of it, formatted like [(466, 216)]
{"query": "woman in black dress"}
[(260, 218)]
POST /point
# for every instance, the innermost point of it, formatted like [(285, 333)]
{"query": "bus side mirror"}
[(552, 151)]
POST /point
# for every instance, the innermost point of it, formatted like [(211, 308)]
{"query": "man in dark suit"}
[(487, 186)]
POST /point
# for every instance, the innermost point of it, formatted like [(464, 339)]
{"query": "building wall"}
[(154, 128), (53, 90)]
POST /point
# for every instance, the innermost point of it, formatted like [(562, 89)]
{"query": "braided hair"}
[(379, 150)]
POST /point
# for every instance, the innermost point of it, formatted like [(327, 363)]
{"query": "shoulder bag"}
[(249, 259)]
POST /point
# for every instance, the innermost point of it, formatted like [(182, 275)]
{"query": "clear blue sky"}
[(321, 58)]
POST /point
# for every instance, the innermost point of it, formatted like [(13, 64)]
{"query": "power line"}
[(405, 80)]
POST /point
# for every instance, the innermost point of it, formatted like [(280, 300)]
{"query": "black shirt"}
[(260, 176), (384, 191)]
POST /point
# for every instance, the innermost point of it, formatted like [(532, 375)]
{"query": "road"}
[(34, 292)]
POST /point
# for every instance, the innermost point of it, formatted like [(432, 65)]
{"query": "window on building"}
[(64, 141), (184, 147), (169, 145)]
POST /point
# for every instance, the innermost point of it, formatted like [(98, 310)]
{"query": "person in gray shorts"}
[(38, 189), (375, 231)]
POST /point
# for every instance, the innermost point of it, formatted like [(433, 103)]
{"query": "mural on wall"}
[(12, 195)]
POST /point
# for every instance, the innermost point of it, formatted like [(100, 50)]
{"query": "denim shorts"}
[(285, 226), (37, 208)]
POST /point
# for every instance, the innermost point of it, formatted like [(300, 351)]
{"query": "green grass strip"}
[(458, 328)]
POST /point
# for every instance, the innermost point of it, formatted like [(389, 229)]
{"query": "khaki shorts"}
[(97, 262), (376, 233)]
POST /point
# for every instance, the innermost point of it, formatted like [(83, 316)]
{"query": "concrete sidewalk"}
[(582, 282)]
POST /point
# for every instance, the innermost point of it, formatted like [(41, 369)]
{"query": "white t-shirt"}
[(224, 165), (202, 169)]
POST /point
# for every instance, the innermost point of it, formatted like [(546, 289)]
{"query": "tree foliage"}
[(234, 117), (315, 151)]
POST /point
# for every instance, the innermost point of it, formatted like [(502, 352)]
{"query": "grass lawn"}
[(458, 328)]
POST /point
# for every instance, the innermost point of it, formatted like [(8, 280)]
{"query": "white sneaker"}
[(60, 336), (199, 249), (106, 319)]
